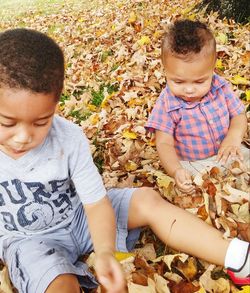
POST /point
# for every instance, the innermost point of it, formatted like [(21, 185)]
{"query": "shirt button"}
[(211, 121)]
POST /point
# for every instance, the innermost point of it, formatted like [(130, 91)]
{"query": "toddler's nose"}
[(189, 90)]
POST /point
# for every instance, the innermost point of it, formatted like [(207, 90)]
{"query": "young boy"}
[(54, 206), (197, 115)]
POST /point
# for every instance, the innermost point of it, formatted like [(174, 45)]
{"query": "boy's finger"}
[(110, 285), (224, 157), (105, 282), (186, 188)]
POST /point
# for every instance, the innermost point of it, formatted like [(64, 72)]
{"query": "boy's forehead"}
[(22, 104), (14, 92)]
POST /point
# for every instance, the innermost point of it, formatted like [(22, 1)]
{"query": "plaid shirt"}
[(198, 128)]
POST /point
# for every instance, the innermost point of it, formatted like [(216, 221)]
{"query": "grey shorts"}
[(34, 262)]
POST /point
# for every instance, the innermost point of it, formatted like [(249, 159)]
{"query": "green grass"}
[(15, 8)]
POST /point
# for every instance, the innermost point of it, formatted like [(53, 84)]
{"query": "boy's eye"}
[(7, 125), (41, 123), (177, 81), (200, 81)]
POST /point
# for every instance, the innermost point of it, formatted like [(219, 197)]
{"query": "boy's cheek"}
[(5, 135)]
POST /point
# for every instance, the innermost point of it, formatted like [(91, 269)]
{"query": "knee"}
[(65, 283), (148, 200)]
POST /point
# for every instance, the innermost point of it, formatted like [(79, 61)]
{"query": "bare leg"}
[(176, 227), (65, 283)]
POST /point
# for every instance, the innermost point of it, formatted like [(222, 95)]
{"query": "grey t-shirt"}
[(41, 190)]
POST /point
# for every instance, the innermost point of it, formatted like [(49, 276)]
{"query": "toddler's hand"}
[(227, 153), (109, 273), (183, 180)]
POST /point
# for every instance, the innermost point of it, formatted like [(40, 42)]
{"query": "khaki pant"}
[(200, 166)]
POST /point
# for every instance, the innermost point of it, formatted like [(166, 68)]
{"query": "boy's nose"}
[(22, 137)]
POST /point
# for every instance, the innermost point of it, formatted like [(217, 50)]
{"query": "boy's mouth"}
[(17, 150)]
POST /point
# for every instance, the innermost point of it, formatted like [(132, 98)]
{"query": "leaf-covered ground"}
[(113, 77)]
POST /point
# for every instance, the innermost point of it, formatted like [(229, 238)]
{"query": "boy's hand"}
[(109, 273), (183, 180), (229, 150)]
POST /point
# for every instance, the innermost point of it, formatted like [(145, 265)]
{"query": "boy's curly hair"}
[(186, 37), (32, 61)]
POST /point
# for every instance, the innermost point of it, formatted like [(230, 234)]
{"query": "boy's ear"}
[(57, 108)]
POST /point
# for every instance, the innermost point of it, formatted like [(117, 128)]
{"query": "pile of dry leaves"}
[(113, 77)]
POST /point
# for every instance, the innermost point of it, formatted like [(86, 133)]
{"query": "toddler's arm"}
[(171, 162), (101, 222), (230, 146)]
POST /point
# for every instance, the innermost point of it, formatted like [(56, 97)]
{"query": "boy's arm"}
[(230, 146), (171, 162), (101, 223), (166, 152)]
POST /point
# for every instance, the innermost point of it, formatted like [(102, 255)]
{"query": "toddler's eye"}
[(177, 81)]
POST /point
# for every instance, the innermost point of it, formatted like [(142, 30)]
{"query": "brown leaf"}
[(188, 269), (202, 213), (215, 172), (209, 186), (188, 201), (243, 230), (139, 278), (183, 287), (141, 264)]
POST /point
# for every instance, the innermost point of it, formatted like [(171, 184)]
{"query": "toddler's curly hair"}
[(187, 37), (32, 61)]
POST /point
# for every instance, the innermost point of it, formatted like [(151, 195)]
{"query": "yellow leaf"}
[(61, 107), (94, 119), (99, 33), (104, 103), (152, 143), (81, 19), (129, 134), (122, 255), (245, 289), (247, 95), (192, 16), (136, 102), (221, 38), (144, 40), (219, 64), (5, 285), (132, 18), (91, 107), (163, 180), (201, 290), (157, 34), (187, 10), (237, 79), (130, 166), (148, 22), (113, 27)]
